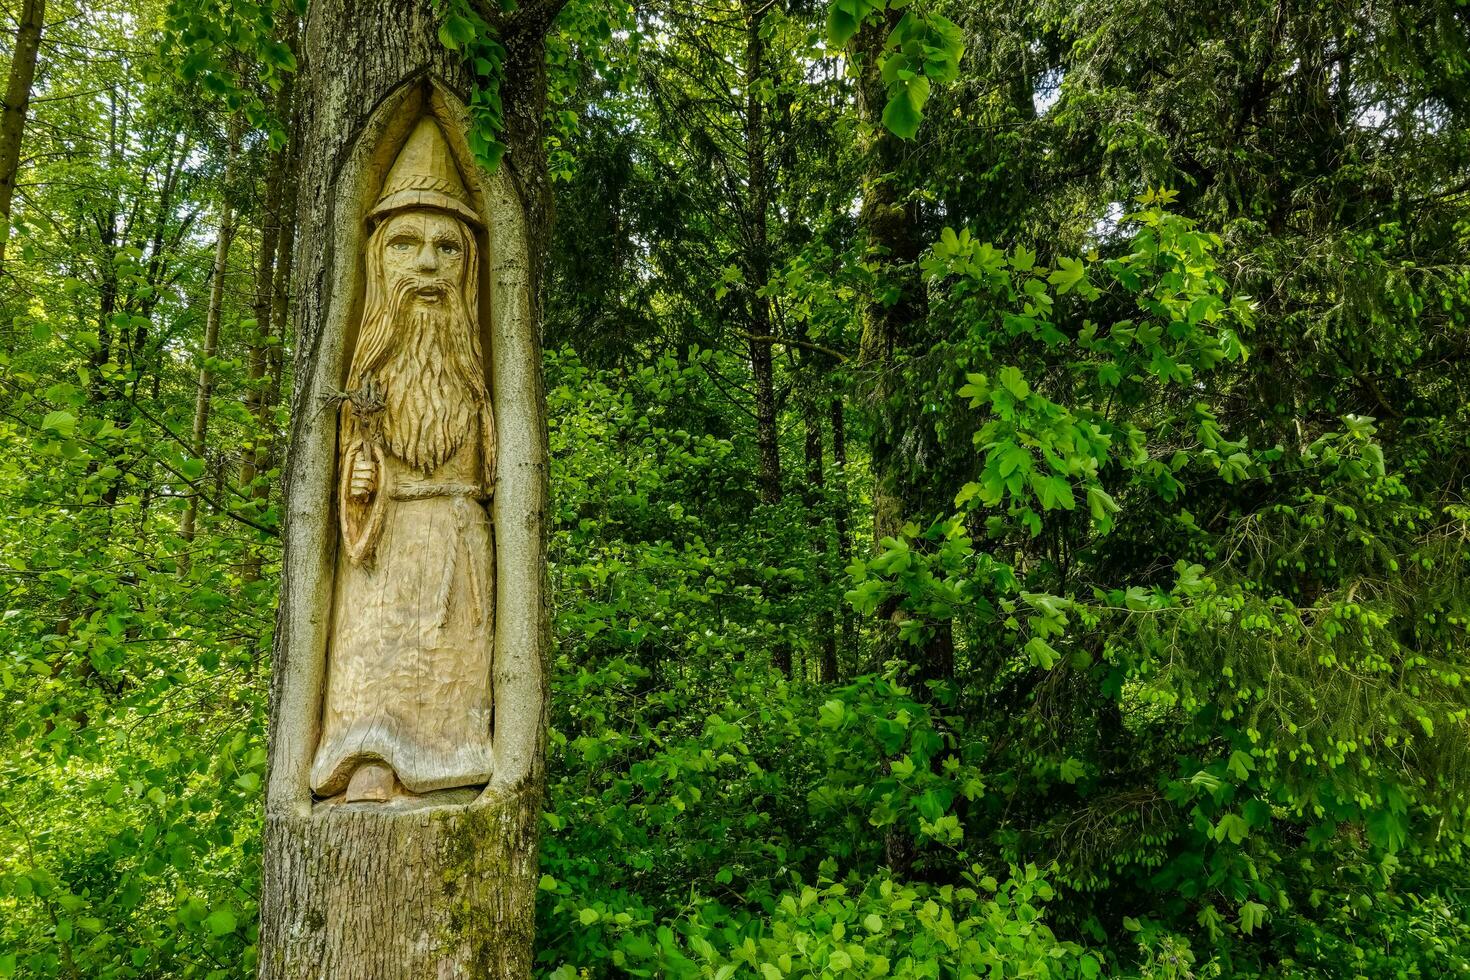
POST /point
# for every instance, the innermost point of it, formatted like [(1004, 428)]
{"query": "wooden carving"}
[(408, 700)]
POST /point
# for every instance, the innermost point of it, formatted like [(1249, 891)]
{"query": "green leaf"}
[(831, 714), (1387, 830), (1068, 273), (917, 91), (1102, 507), (1054, 492), (1232, 826), (460, 30), (1041, 653), (1252, 915), (1373, 453), (221, 922), (900, 117), (842, 23), (1015, 383), (1014, 458), (63, 424), (976, 388)]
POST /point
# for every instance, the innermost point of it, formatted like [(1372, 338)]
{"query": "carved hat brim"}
[(414, 199)]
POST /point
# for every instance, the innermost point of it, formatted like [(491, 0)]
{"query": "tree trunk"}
[(757, 273), (204, 393), (816, 509), (442, 885), (895, 303), (263, 306), (268, 455), (758, 261), (17, 101), (273, 262), (841, 526), (894, 319), (263, 387)]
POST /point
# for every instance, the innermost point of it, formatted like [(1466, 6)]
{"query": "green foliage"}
[(463, 29), (922, 48), (211, 43), (1157, 667)]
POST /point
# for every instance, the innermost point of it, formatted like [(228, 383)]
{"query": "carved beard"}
[(426, 377)]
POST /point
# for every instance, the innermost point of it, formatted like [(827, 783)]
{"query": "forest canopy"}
[(1007, 482)]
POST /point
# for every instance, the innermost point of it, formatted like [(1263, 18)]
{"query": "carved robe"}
[(409, 666)]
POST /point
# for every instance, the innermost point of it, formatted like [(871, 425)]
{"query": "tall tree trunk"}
[(436, 887), (757, 273), (282, 290), (758, 258), (263, 388), (841, 525), (107, 242), (263, 306), (17, 101), (269, 455), (816, 507), (258, 398), (894, 319), (204, 393)]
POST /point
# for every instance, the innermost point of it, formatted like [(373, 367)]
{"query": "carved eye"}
[(449, 248), (401, 246)]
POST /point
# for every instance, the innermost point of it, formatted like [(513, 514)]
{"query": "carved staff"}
[(364, 493)]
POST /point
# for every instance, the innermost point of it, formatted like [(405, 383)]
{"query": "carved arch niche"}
[(509, 346)]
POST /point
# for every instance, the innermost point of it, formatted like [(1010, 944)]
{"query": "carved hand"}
[(364, 478)]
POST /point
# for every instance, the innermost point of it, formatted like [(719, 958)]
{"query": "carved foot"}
[(371, 782)]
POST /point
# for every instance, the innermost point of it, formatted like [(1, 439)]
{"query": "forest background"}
[(1008, 485)]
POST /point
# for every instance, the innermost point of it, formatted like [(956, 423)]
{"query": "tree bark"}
[(442, 886), (17, 101)]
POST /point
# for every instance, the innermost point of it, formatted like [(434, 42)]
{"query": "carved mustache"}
[(408, 285)]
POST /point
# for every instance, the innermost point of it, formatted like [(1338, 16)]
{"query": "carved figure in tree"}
[(408, 691)]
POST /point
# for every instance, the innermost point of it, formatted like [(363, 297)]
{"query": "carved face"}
[(424, 251)]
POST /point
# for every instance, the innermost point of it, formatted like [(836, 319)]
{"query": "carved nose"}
[(427, 260)]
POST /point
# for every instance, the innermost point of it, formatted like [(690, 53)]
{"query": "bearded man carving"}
[(408, 699)]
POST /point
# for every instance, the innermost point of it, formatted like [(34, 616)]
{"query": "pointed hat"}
[(424, 176)]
